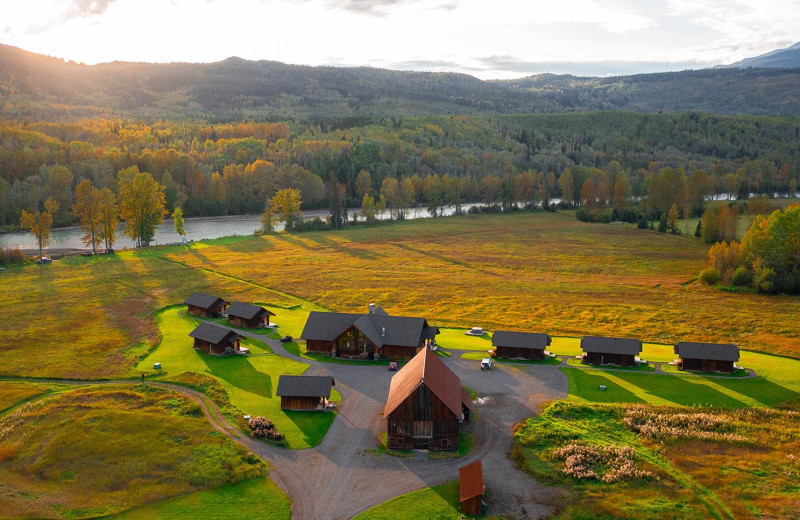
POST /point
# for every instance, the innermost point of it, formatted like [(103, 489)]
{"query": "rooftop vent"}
[(383, 331), (372, 308)]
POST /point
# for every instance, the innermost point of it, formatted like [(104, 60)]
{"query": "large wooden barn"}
[(610, 351), (707, 357), (304, 392), (214, 339), (375, 334), (471, 488), (248, 315), (205, 305), (425, 406), (520, 345)]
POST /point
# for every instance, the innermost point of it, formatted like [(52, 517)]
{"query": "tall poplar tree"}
[(88, 211), (40, 222), (141, 204)]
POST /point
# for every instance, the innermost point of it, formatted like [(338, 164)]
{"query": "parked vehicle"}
[(486, 363), (44, 260), (393, 366), (286, 339)]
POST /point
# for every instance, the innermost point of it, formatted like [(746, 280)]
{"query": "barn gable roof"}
[(470, 481), (206, 301), (426, 368), (712, 351), (327, 326), (530, 340), (305, 386), (247, 311), (212, 333), (378, 326), (603, 345)]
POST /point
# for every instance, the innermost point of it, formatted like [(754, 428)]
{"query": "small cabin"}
[(707, 357), (425, 406), (520, 345), (215, 339), (304, 392), (248, 315), (598, 350), (205, 305), (471, 488)]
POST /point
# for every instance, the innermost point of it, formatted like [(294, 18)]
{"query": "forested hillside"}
[(216, 169), (38, 87)]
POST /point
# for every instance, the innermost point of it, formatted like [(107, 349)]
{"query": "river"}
[(197, 228)]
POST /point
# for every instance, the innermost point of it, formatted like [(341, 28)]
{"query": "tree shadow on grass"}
[(313, 424), (239, 372), (683, 391), (326, 242), (585, 384)]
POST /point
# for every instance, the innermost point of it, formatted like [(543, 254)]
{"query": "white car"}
[(486, 363)]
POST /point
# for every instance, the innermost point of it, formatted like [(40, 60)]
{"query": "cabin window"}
[(445, 443)]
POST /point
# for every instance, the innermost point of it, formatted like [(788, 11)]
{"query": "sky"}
[(489, 39)]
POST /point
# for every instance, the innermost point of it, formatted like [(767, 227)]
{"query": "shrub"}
[(11, 256), (710, 276), (642, 223), (662, 223), (741, 276), (606, 464), (263, 428)]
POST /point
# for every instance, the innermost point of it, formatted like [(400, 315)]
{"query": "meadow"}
[(96, 451), (684, 463), (434, 503)]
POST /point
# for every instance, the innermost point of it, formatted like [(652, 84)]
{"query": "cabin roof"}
[(713, 351), (248, 311), (380, 328), (212, 333), (426, 368), (603, 345), (305, 386), (530, 340), (206, 301), (470, 481), (327, 326)]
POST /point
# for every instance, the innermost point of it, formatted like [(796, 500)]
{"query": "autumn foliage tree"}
[(89, 212), (141, 204), (109, 217), (40, 222), (285, 205)]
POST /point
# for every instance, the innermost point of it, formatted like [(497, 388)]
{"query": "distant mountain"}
[(33, 86), (784, 58)]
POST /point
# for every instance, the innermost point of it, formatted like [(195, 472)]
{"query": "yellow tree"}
[(622, 192), (88, 211), (177, 219), (287, 203), (40, 222), (109, 217), (672, 218), (141, 204)]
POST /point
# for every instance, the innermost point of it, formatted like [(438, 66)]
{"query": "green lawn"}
[(641, 367), (477, 356), (457, 340), (250, 381), (255, 498), (433, 503)]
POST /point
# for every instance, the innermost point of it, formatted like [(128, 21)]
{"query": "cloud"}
[(86, 8), (519, 67), (381, 7)]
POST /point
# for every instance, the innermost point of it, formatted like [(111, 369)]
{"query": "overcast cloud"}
[(486, 38)]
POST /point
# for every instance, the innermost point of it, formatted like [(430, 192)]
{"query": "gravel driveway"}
[(343, 476)]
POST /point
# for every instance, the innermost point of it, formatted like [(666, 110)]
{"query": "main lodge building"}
[(367, 335)]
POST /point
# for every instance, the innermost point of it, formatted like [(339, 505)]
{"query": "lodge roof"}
[(426, 368), (603, 345), (305, 386), (206, 301), (214, 334), (470, 481), (247, 311), (378, 326), (712, 351), (530, 340)]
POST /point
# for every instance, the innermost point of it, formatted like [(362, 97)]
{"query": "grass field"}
[(250, 381), (255, 498), (101, 450), (703, 463), (433, 503), (13, 394)]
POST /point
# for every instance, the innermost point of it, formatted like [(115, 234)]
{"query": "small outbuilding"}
[(215, 339), (520, 345), (205, 305), (598, 350), (707, 357), (248, 315), (304, 392), (471, 488), (425, 406)]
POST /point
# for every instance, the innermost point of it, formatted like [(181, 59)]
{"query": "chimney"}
[(372, 308), (383, 331)]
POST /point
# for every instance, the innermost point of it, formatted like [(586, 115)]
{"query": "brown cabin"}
[(248, 315), (371, 335), (610, 351), (425, 406), (471, 488), (304, 392), (707, 357), (215, 339), (205, 305), (520, 345)]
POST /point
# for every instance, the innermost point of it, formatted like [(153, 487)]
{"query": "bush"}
[(263, 428), (642, 223), (741, 276), (710, 276), (662, 223), (11, 256)]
